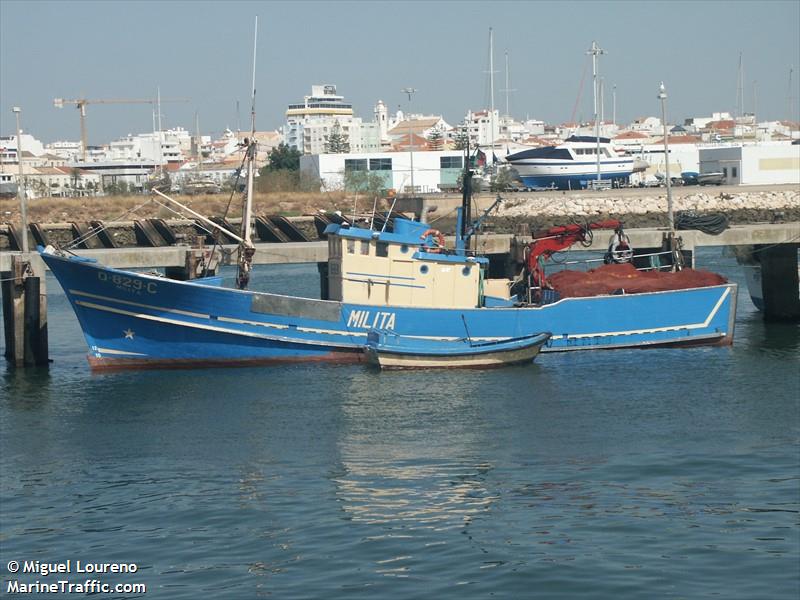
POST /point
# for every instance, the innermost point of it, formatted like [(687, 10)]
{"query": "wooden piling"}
[(24, 315), (779, 282)]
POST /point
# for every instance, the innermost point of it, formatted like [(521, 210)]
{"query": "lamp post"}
[(20, 187), (410, 91), (677, 260), (662, 95)]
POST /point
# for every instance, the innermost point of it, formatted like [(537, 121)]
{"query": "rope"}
[(712, 224)]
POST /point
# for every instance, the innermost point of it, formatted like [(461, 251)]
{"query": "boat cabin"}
[(405, 267)]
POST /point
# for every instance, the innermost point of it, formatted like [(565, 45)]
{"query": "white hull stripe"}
[(120, 352), (275, 338), (195, 315), (702, 325)]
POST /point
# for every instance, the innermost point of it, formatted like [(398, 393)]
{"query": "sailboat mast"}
[(595, 51), (491, 93)]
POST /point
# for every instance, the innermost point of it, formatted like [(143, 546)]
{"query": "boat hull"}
[(390, 360), (138, 320), (391, 352)]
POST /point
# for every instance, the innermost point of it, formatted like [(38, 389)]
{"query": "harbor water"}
[(668, 473)]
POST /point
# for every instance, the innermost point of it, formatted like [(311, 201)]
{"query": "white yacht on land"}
[(573, 164)]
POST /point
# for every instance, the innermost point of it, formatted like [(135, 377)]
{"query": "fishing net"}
[(614, 278)]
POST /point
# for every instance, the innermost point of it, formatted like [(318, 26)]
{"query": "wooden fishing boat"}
[(389, 350)]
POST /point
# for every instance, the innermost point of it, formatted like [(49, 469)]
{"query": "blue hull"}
[(137, 320), (572, 182)]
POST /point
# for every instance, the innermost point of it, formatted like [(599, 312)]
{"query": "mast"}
[(595, 50), (197, 143), (491, 94), (739, 99), (160, 149), (246, 248), (614, 104), (466, 193)]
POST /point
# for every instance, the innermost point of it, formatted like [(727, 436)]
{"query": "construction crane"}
[(81, 104)]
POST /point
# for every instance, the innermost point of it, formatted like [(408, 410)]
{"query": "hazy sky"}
[(202, 50)]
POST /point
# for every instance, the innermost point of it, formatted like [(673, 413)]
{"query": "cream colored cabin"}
[(369, 267)]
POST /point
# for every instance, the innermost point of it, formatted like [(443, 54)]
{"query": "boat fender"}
[(439, 240), (619, 250)]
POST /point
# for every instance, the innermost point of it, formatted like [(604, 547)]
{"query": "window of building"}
[(725, 172), (451, 162), (355, 164), (733, 172), (380, 164)]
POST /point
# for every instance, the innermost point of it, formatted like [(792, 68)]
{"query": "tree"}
[(461, 139), (368, 183), (502, 180), (75, 177), (337, 141), (283, 157), (435, 141)]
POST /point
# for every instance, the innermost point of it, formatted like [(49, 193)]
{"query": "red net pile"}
[(611, 278)]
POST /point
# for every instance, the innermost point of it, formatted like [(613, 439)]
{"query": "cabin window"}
[(466, 271), (404, 248), (351, 246), (382, 249), (423, 269), (364, 247)]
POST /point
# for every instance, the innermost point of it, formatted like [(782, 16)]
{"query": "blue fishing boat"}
[(389, 350), (402, 280)]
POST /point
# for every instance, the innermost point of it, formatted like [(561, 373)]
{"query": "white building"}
[(163, 147), (483, 128), (754, 164), (309, 123), (66, 150), (431, 169), (8, 147)]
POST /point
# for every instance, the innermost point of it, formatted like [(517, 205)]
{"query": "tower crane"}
[(81, 104)]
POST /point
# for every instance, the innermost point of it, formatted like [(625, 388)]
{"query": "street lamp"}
[(410, 91), (676, 259), (662, 95), (20, 186)]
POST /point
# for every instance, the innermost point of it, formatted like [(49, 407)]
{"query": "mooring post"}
[(779, 282), (25, 313)]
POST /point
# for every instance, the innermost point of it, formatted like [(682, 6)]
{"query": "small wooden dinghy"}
[(392, 351)]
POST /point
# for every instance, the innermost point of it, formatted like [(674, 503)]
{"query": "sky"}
[(371, 50)]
